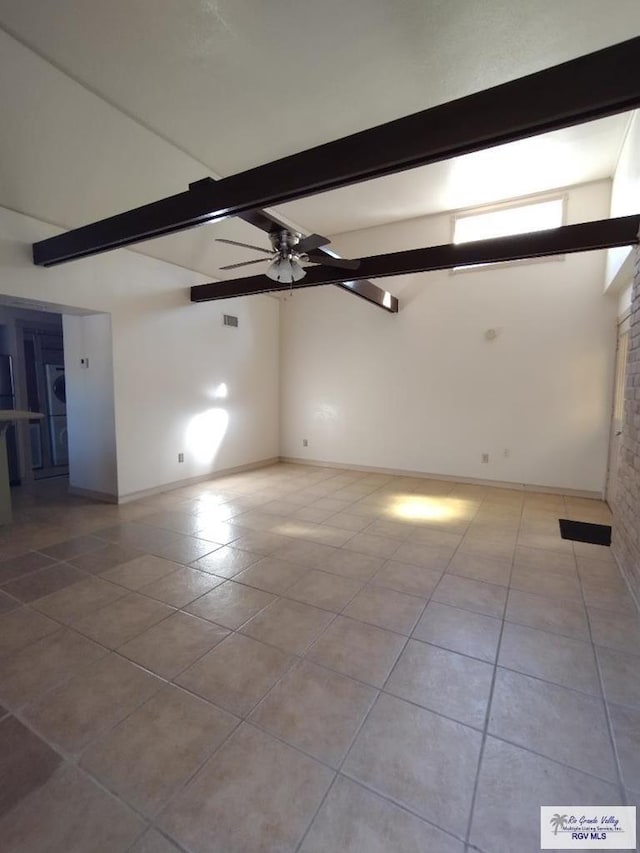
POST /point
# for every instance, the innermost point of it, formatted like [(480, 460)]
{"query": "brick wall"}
[(626, 502)]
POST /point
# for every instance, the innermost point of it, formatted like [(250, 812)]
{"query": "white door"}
[(617, 416)]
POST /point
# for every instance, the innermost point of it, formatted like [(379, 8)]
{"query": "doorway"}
[(32, 379)]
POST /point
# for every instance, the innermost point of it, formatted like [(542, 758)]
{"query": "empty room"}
[(319, 426)]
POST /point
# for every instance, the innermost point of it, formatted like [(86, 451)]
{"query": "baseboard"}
[(473, 481), (189, 481), (103, 497)]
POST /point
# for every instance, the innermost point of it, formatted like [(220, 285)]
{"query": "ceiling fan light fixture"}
[(286, 270)]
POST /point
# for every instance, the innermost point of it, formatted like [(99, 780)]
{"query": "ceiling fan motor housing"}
[(284, 242)]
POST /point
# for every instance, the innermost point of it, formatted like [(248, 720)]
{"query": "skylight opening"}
[(506, 221)]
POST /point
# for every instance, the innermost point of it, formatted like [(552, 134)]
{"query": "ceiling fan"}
[(288, 252)]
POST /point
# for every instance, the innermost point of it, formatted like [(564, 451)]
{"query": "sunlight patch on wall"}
[(221, 392), (205, 433)]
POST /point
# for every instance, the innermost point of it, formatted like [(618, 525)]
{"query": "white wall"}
[(425, 391), (625, 199), (168, 357)]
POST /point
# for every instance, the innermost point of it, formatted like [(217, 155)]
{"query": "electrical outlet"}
[(305, 442), (84, 362), (485, 457), (180, 457), (507, 453)]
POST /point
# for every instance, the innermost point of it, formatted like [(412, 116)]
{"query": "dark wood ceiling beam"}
[(584, 89), (584, 237), (266, 222)]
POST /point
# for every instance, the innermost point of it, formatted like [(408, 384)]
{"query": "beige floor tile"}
[(349, 564), (173, 644), (373, 546), (480, 568), (435, 538), (419, 759), (26, 762), (546, 561), (346, 520), (597, 571), (626, 732), (271, 575), (386, 608), (105, 558), (322, 589), (181, 587), (259, 542), (567, 618), (354, 820), (615, 630), (140, 571), (170, 736), (226, 562), (485, 598), (459, 630), (43, 582), (38, 667), (252, 774), (593, 552), (559, 723), (488, 542), (431, 557), (550, 584), (18, 566), (237, 674), (393, 529), (403, 577), (92, 702), (443, 681), (620, 676), (610, 595), (20, 627), (357, 649), (289, 625), (122, 620), (85, 597), (70, 813), (563, 660), (544, 541), (153, 842), (513, 784), (73, 547), (221, 532), (8, 603), (315, 710), (230, 604), (311, 555)]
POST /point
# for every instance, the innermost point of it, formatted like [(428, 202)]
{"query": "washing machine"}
[(56, 390), (57, 413)]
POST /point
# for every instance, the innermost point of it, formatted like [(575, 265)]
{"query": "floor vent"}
[(230, 320), (583, 531)]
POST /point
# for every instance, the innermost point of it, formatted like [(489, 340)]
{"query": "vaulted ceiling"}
[(109, 105)]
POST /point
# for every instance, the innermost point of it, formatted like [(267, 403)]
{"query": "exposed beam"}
[(266, 222), (584, 237), (587, 88)]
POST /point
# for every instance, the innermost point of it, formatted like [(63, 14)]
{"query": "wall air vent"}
[(229, 320)]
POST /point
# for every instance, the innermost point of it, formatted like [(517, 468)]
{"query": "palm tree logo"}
[(558, 822)]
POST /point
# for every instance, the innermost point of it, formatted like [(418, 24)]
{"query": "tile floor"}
[(309, 659)]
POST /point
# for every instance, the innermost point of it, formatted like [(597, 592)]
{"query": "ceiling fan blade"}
[(243, 264), (330, 261), (313, 241), (244, 246)]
